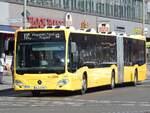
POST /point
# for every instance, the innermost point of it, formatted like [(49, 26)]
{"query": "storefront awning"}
[(6, 29)]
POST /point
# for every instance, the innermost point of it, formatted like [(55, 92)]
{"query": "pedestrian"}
[(2, 66), (12, 68)]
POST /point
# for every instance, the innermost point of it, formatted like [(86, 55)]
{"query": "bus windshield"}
[(40, 56)]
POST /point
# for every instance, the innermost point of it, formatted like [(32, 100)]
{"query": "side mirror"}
[(74, 52), (74, 56)]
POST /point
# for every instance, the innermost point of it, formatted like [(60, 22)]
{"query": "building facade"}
[(124, 16)]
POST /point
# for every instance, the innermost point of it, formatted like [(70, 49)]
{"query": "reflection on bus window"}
[(49, 55)]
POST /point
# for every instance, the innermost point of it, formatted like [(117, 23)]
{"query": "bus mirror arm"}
[(74, 67), (130, 63), (74, 61), (73, 47)]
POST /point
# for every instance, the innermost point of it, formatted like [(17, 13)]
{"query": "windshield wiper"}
[(21, 72)]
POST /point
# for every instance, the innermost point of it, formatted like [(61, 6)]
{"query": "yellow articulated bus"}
[(60, 58)]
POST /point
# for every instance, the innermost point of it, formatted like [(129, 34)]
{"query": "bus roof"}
[(82, 31), (139, 37)]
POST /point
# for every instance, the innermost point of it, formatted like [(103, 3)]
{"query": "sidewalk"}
[(7, 84)]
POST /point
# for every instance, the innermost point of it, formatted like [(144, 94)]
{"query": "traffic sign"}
[(27, 13)]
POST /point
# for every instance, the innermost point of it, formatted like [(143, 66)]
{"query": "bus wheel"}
[(35, 93), (112, 85), (135, 82), (84, 85)]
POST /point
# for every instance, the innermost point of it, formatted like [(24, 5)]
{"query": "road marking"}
[(143, 85), (14, 101), (129, 112)]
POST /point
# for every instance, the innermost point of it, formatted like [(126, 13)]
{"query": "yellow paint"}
[(95, 77), (130, 70), (128, 73), (142, 72)]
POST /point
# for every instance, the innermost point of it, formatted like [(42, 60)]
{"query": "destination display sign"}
[(37, 36)]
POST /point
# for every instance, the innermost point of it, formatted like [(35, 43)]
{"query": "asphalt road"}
[(123, 99)]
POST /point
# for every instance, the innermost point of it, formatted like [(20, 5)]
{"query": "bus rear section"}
[(131, 58)]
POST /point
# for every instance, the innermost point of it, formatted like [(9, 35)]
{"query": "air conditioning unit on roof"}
[(91, 30), (60, 27), (71, 28)]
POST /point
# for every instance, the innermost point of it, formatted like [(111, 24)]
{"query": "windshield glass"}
[(40, 56)]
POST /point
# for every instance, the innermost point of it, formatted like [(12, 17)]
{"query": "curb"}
[(6, 90)]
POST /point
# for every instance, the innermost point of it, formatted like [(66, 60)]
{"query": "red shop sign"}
[(42, 22)]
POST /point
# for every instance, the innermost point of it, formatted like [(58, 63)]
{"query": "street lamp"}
[(143, 19), (145, 5), (24, 13), (144, 16)]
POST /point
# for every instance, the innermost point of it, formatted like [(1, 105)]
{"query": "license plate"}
[(39, 87), (26, 87)]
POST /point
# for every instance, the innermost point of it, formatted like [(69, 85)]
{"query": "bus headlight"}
[(18, 82), (63, 82)]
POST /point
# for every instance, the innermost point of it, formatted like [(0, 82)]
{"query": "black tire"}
[(84, 85), (112, 85), (135, 82), (35, 93)]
